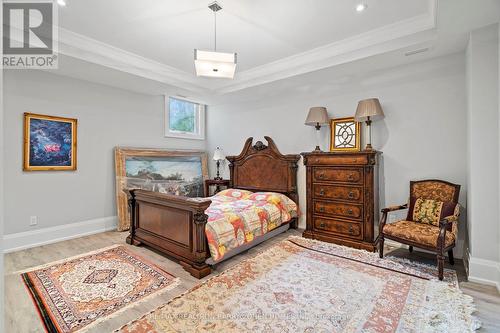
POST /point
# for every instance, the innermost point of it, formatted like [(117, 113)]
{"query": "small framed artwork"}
[(345, 134), (49, 143)]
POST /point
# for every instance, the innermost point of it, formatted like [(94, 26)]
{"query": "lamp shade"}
[(368, 108), (215, 64), (317, 115), (219, 155)]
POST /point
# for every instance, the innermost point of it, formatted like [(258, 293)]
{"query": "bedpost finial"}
[(259, 146)]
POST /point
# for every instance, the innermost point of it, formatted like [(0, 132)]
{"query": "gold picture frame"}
[(146, 169), (345, 135), (49, 143)]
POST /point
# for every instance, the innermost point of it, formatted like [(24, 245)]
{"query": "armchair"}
[(431, 223)]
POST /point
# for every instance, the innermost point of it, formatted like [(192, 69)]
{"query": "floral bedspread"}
[(236, 217)]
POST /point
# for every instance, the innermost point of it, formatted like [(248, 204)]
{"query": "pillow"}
[(274, 198), (267, 196), (234, 193), (430, 211)]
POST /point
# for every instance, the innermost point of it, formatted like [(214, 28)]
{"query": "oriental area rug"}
[(73, 294), (302, 285)]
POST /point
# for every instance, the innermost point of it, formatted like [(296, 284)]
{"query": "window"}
[(184, 119)]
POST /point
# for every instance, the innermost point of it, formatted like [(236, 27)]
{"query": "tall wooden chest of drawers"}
[(342, 198)]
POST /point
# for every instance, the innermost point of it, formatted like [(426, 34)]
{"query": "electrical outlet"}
[(33, 220)]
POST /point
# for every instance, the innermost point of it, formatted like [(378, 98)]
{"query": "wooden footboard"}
[(173, 225)]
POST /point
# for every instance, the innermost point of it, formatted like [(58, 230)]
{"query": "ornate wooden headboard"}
[(263, 168)]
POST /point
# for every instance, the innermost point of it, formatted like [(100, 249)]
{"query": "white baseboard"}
[(484, 271), (32, 238)]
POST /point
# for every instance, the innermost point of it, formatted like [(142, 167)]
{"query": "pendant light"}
[(213, 63)]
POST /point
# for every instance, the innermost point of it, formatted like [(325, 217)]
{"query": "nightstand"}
[(217, 183)]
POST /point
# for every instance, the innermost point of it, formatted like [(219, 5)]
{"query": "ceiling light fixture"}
[(361, 7), (61, 3), (213, 63)]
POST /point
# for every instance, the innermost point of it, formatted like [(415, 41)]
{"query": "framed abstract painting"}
[(49, 143)]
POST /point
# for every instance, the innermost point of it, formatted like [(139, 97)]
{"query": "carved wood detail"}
[(341, 191)]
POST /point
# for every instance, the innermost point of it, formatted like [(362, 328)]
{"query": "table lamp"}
[(368, 110), (317, 117), (218, 157)]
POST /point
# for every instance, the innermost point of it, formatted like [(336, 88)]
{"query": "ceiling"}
[(275, 39), (260, 31)]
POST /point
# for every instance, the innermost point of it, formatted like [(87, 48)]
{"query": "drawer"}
[(339, 227), (338, 209), (340, 159), (341, 175), (334, 192)]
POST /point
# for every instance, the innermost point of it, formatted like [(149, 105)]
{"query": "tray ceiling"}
[(275, 39)]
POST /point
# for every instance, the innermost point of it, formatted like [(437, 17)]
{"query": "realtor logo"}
[(29, 35)]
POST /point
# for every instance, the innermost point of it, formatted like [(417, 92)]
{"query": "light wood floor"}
[(21, 315)]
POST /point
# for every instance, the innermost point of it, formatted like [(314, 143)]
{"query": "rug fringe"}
[(34, 268), (175, 283), (450, 297)]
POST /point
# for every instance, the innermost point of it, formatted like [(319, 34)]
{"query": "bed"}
[(200, 232)]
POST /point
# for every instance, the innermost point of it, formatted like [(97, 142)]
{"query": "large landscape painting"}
[(49, 143), (178, 175), (171, 172)]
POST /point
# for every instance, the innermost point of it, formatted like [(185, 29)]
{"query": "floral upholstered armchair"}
[(431, 223)]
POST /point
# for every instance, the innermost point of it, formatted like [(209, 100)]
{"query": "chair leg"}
[(450, 257), (440, 260), (381, 246), (410, 248)]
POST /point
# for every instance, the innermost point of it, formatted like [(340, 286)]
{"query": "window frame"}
[(199, 120)]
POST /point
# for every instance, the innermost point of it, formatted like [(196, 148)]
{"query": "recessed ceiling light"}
[(361, 7), (61, 3)]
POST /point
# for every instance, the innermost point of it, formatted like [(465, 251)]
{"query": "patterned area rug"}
[(301, 285), (75, 293)]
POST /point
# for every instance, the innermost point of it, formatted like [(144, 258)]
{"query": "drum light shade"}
[(215, 64)]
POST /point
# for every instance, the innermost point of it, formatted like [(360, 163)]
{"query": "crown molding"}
[(405, 33), (416, 30), (91, 50)]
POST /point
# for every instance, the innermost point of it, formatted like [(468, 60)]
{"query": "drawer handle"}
[(351, 230), (321, 175), (322, 224), (349, 211), (321, 192), (350, 177), (322, 209), (350, 194), (316, 160)]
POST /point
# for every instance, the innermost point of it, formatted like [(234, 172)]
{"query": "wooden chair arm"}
[(447, 221), (394, 208), (445, 224), (385, 211)]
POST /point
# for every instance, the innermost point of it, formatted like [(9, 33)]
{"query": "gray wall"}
[(107, 117), (422, 135), (483, 154)]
